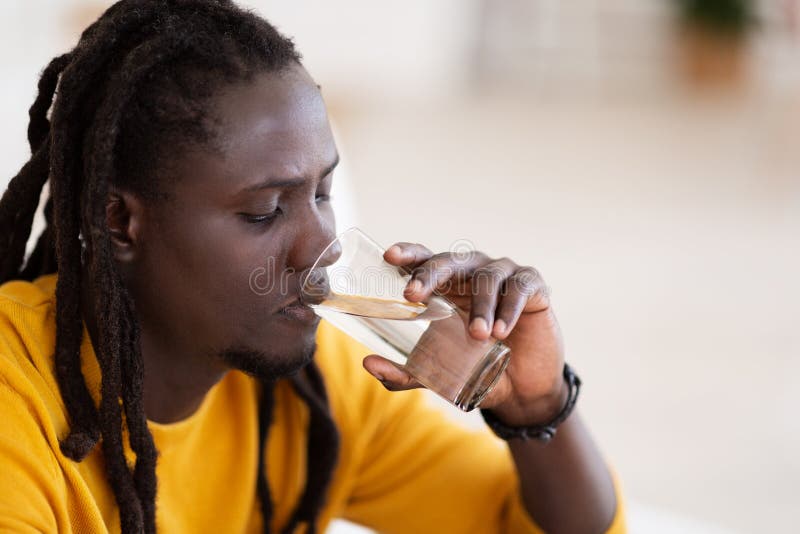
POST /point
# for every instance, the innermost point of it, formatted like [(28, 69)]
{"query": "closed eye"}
[(253, 218)]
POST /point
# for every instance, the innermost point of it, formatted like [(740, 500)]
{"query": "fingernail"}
[(394, 249), (479, 324), (414, 286), (500, 326)]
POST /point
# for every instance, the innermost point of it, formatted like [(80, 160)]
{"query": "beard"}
[(266, 366)]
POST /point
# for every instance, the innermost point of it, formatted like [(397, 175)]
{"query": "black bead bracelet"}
[(544, 432)]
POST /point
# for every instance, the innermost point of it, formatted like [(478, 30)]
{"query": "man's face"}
[(221, 259)]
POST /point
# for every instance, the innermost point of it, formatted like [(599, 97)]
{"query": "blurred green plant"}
[(732, 17)]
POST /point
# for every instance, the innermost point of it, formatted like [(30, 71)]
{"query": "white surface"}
[(345, 527), (642, 519)]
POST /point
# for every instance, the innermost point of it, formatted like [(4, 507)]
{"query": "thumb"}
[(389, 374)]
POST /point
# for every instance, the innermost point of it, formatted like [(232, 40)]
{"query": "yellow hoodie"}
[(402, 468)]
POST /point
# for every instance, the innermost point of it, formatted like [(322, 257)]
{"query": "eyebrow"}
[(275, 183)]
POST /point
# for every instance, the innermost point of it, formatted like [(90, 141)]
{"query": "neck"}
[(175, 383), (175, 380)]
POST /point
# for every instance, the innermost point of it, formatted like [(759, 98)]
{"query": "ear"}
[(124, 217)]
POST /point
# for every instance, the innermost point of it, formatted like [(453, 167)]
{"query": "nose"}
[(314, 250), (312, 240)]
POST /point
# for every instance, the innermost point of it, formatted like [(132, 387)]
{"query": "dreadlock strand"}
[(105, 285), (42, 258), (111, 35), (65, 194), (322, 449), (17, 208), (99, 148), (24, 219), (265, 413), (108, 351), (22, 195), (84, 432), (141, 440), (39, 125)]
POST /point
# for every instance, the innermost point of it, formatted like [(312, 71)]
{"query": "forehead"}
[(276, 121), (272, 126)]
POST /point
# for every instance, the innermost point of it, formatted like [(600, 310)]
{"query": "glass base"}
[(483, 378)]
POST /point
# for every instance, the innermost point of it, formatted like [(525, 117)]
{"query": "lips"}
[(299, 312)]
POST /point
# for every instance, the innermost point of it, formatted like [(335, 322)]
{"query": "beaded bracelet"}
[(544, 432)]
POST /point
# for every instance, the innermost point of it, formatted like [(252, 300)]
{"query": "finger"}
[(440, 272), (390, 375), (487, 283), (409, 255), (461, 301), (525, 286)]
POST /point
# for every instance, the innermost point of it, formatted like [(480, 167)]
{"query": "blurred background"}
[(644, 155)]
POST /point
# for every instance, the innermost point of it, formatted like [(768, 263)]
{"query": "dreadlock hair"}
[(137, 82)]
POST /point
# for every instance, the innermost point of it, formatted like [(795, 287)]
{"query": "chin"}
[(274, 363)]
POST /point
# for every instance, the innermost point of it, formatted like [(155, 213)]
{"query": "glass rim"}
[(350, 230), (358, 231)]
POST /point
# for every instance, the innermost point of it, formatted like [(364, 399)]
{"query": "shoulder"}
[(30, 295), (27, 317), (27, 323), (27, 344)]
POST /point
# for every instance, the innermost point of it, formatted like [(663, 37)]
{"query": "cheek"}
[(243, 270), (265, 277), (214, 277)]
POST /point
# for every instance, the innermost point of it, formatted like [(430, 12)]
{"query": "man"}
[(146, 386)]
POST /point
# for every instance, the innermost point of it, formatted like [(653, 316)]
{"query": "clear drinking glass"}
[(356, 290)]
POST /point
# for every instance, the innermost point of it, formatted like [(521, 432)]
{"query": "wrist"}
[(511, 423), (538, 411)]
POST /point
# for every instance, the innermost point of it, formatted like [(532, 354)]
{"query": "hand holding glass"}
[(357, 291)]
